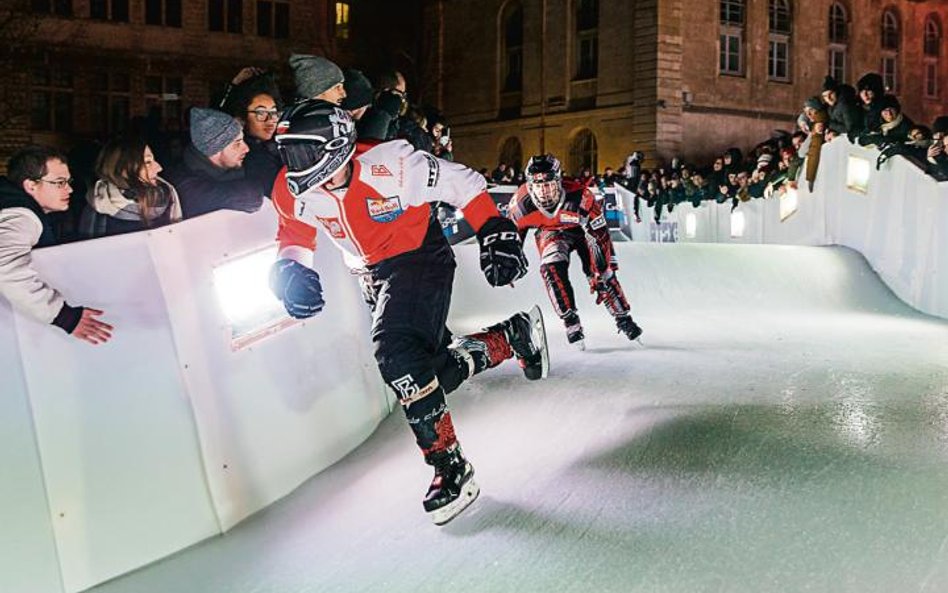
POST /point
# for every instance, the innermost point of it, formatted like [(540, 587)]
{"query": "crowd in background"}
[(864, 114), (147, 178)]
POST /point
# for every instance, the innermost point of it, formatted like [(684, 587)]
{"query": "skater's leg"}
[(554, 249)]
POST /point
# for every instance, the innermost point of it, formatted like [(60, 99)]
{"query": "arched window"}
[(587, 39), (512, 52), (778, 54), (511, 153), (731, 39), (932, 51), (890, 30), (891, 40), (932, 37), (583, 152), (838, 24)]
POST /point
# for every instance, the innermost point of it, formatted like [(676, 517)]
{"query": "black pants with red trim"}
[(412, 296)]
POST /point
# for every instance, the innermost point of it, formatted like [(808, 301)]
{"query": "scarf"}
[(110, 200)]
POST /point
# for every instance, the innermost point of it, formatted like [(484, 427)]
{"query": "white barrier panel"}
[(166, 435), (897, 218)]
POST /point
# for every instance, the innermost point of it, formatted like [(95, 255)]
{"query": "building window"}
[(225, 15), (163, 12), (513, 49), (890, 30), (273, 19), (932, 51), (342, 20), (778, 56), (891, 41), (838, 42), (731, 39), (111, 102), (109, 10), (54, 7), (163, 98), (587, 39), (51, 92), (583, 152)]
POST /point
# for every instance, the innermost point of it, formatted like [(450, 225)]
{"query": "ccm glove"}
[(502, 259), (298, 287)]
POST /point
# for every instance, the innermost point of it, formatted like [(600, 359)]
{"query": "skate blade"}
[(538, 329), (579, 345), (469, 493)]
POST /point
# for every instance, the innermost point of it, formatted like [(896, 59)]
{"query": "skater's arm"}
[(297, 240)]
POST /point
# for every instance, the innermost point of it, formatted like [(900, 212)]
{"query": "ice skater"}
[(374, 202), (568, 218)]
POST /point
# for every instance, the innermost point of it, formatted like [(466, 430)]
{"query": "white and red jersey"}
[(384, 211), (579, 208)]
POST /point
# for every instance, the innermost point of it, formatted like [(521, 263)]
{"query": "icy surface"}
[(784, 428)]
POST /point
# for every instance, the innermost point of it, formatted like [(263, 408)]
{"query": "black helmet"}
[(544, 182), (315, 139)]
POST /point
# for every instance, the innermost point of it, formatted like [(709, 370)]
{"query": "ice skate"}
[(574, 331), (453, 488), (526, 334), (628, 327)]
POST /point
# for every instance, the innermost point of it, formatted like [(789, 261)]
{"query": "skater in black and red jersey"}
[(373, 202), (568, 218)]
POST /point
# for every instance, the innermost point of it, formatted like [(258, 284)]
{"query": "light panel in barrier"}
[(243, 292), (789, 201), (691, 225), (737, 225), (858, 171)]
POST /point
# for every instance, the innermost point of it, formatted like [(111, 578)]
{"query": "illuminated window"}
[(932, 51), (891, 42), (342, 20), (838, 42)]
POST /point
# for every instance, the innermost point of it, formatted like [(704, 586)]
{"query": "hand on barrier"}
[(298, 287), (91, 329), (502, 259)]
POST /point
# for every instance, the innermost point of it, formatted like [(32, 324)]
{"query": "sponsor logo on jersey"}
[(434, 170), (333, 227), (597, 223), (569, 218), (380, 171), (384, 209)]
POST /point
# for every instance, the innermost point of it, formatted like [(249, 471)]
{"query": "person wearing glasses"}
[(38, 183), (129, 194), (211, 175)]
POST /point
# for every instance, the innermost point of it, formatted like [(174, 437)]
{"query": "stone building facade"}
[(80, 69), (594, 80)]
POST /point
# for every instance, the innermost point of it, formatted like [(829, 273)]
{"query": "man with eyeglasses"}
[(38, 183)]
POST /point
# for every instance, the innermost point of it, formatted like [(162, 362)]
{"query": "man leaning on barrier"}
[(38, 183)]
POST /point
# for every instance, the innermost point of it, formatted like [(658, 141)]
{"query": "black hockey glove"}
[(502, 259), (298, 287)]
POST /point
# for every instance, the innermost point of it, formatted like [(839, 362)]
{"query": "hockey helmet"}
[(315, 140), (545, 182)]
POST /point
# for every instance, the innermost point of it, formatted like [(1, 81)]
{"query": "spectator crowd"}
[(145, 178)]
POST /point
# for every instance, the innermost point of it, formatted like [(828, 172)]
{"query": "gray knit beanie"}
[(212, 130), (314, 75)]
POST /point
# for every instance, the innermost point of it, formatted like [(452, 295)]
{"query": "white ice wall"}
[(165, 436), (114, 456)]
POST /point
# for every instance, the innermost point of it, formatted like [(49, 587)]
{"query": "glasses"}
[(57, 183), (265, 114)]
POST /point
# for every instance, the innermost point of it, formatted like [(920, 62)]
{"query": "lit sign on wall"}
[(691, 225), (737, 225), (858, 172), (243, 292)]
